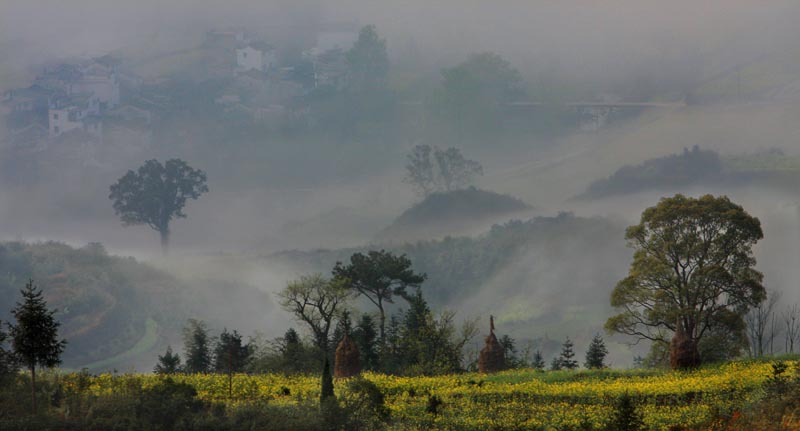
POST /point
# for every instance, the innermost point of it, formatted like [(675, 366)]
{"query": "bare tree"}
[(790, 319), (315, 300), (761, 327)]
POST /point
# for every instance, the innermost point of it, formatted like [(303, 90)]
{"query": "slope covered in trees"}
[(455, 212)]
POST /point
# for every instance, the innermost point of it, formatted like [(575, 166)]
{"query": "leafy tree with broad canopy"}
[(451, 170), (379, 276), (35, 335), (155, 194), (693, 266)]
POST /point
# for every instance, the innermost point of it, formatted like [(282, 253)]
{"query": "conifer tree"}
[(35, 335), (596, 354), (196, 347), (555, 364), (538, 361), (567, 355), (168, 363), (366, 336)]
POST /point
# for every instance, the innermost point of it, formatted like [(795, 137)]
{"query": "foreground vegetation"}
[(714, 397)]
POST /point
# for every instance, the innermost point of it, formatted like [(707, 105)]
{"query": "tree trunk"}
[(382, 325), (33, 387), (164, 231)]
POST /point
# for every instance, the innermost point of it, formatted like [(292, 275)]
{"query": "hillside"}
[(771, 169), (457, 212), (544, 277), (115, 312)]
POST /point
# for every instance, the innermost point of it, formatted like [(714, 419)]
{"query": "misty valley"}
[(352, 215)]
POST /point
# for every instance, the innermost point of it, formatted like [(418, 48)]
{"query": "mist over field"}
[(611, 104)]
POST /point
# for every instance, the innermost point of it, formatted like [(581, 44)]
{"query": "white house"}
[(256, 56), (74, 112)]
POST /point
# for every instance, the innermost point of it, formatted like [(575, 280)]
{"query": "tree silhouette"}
[(379, 276), (35, 335), (567, 355), (596, 354), (168, 363), (196, 345), (155, 194)]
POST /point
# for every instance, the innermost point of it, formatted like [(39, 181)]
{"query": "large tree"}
[(473, 93), (379, 276), (368, 62), (315, 301), (35, 335), (693, 266), (155, 194)]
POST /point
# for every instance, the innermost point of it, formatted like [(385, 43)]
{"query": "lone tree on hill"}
[(567, 356), (168, 363), (693, 268), (155, 194), (35, 335), (596, 354), (451, 170), (379, 276)]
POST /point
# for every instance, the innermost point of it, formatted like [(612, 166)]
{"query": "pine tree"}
[(366, 336), (596, 354), (327, 383), (196, 347), (538, 361), (567, 355), (35, 336), (168, 363), (626, 417), (230, 355), (555, 364)]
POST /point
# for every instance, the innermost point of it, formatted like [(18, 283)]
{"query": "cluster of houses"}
[(274, 88), (94, 102)]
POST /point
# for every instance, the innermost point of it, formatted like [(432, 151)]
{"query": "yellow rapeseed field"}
[(518, 399)]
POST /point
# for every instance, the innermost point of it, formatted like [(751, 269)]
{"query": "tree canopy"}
[(379, 276), (34, 337), (155, 194), (315, 301), (693, 266), (448, 170)]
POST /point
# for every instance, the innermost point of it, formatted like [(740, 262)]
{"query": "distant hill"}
[(770, 168), (544, 277), (457, 212), (115, 312)]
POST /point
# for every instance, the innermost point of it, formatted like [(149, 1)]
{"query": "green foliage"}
[(230, 354), (168, 406), (34, 336), (379, 276), (365, 336), (168, 363), (555, 364), (364, 406), (537, 363), (596, 354), (567, 355), (687, 168), (287, 354), (155, 194), (197, 347), (693, 265), (626, 417)]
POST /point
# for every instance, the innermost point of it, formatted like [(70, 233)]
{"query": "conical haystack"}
[(347, 359), (492, 357), (683, 351)]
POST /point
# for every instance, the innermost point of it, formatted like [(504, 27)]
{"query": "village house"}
[(256, 56), (77, 111)]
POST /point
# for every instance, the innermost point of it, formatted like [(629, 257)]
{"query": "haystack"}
[(683, 351), (492, 357), (347, 359)]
